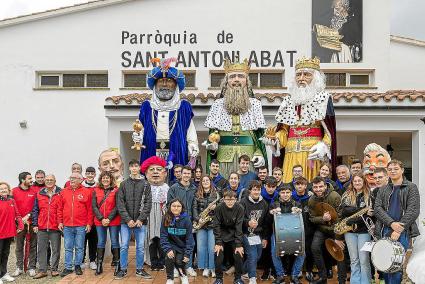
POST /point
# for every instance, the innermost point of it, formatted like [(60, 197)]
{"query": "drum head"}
[(382, 255)]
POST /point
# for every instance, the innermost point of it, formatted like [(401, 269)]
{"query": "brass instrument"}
[(205, 217), (341, 227)]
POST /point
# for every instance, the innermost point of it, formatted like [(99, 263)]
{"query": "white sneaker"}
[(253, 280), (213, 273), (191, 272), (8, 278), (206, 273), (176, 273), (184, 279), (31, 272), (1, 281), (17, 272), (93, 265), (83, 265), (169, 281)]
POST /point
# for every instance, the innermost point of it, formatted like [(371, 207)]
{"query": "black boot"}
[(116, 260), (99, 261)]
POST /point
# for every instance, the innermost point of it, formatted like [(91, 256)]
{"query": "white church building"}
[(72, 79)]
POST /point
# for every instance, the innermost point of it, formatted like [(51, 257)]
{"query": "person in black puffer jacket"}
[(356, 198), (176, 240), (205, 195)]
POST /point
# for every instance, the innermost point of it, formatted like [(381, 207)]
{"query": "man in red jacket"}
[(24, 197), (75, 219), (38, 184), (45, 222)]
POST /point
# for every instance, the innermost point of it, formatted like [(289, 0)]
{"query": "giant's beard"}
[(303, 95), (236, 100)]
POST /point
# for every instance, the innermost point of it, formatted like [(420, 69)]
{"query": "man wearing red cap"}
[(155, 172)]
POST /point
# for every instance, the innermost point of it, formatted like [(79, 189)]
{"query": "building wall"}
[(68, 125)]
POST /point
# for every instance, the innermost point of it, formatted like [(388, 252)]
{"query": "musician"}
[(176, 240), (356, 198), (270, 194), (227, 224), (380, 176), (205, 195), (324, 226), (234, 185), (285, 204), (397, 207), (217, 179), (277, 173), (302, 195), (254, 228)]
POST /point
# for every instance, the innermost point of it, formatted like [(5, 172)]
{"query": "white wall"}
[(406, 61), (68, 126)]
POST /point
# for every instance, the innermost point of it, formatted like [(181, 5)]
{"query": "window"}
[(265, 79), (271, 80), (135, 80), (349, 78), (359, 79), (190, 77), (97, 80), (216, 79), (336, 79), (48, 79), (73, 80)]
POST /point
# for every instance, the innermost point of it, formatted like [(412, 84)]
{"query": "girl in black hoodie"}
[(176, 240)]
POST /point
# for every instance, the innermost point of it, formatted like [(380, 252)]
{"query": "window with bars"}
[(216, 79), (336, 79), (137, 80), (258, 79), (72, 80), (348, 79)]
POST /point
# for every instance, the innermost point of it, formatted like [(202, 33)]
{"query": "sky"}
[(407, 16)]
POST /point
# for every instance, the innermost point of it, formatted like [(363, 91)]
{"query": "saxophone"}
[(342, 227), (205, 217)]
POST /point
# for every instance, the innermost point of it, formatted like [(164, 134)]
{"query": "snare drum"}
[(289, 234), (388, 255)]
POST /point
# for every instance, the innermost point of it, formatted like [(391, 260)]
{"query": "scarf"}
[(267, 197), (299, 198)]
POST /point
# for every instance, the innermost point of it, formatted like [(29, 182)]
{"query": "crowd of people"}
[(203, 221)]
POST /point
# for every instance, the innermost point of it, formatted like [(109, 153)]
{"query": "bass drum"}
[(289, 234), (388, 256)]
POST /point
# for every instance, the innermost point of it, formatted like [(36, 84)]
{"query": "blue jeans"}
[(395, 278), (277, 263), (360, 260), (205, 248), (74, 239), (253, 254), (139, 234), (113, 235)]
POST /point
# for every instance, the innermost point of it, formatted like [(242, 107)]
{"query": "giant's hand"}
[(258, 161), (319, 151), (210, 146), (193, 150), (137, 137)]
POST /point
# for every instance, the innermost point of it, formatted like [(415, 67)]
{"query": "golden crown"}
[(230, 67), (308, 63)]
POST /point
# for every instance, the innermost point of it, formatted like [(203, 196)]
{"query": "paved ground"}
[(107, 276)]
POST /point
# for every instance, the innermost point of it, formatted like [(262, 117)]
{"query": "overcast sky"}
[(407, 16)]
